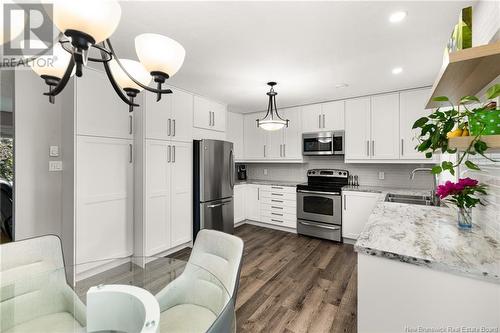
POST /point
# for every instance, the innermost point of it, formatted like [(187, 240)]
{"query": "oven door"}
[(319, 206)]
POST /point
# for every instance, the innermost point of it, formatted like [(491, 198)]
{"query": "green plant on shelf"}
[(437, 128)]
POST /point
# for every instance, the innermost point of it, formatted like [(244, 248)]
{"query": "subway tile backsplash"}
[(396, 175)]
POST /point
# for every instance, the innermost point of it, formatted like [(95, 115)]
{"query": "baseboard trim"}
[(270, 226)]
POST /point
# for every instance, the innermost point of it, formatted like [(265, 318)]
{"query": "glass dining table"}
[(133, 294)]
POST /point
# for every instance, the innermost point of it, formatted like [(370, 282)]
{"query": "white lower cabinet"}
[(239, 203), (252, 202), (168, 195), (104, 198), (356, 208)]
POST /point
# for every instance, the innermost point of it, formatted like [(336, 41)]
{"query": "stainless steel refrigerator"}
[(214, 173)]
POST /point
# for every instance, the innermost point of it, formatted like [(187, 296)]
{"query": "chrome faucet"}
[(435, 198)]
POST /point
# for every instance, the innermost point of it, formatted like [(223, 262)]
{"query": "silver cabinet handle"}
[(273, 200), (258, 193), (173, 127), (276, 207), (373, 147), (209, 118), (284, 150), (173, 154), (319, 226), (367, 147), (278, 194), (324, 121), (169, 128), (345, 202), (279, 221), (277, 214), (130, 124), (169, 153), (213, 118), (402, 147), (281, 150), (264, 150), (277, 187), (319, 121), (130, 153)]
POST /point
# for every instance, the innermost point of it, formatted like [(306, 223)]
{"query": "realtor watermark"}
[(450, 329), (27, 33)]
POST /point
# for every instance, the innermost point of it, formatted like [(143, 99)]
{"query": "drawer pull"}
[(319, 226), (274, 200), (276, 207), (276, 220), (276, 214), (279, 194), (277, 187)]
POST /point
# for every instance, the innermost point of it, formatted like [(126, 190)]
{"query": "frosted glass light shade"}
[(272, 125), (159, 53), (134, 68), (54, 64), (97, 18)]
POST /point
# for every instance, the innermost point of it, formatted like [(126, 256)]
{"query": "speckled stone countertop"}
[(429, 237), (267, 182)]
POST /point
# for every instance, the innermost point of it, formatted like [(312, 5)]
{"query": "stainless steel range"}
[(319, 204)]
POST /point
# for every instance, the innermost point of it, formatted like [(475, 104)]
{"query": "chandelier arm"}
[(64, 80), (115, 86), (277, 114), (145, 87)]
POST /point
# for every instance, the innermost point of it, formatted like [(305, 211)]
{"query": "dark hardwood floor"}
[(292, 283)]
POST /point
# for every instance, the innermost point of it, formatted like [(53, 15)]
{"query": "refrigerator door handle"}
[(231, 166), (219, 204)]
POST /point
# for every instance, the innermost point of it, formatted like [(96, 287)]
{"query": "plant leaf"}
[(441, 99), (436, 169), (428, 154), (467, 99), (471, 165), (420, 122), (493, 91)]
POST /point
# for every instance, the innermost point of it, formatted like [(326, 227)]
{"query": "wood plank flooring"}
[(292, 283)]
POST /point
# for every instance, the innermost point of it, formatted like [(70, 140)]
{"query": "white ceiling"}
[(234, 48)]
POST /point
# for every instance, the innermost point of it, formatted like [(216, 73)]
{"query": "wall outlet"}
[(54, 151), (265, 172), (55, 166), (381, 175)]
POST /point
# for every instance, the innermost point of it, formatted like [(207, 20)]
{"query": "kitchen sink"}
[(423, 200)]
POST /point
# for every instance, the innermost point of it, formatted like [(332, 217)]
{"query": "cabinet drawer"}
[(279, 202), (278, 208), (278, 215), (276, 220), (279, 195), (279, 189)]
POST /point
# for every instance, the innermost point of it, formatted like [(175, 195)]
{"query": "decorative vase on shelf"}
[(465, 218)]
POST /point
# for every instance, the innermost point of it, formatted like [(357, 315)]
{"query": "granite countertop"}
[(428, 236), (267, 182)]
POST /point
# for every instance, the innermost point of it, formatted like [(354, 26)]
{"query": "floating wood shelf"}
[(462, 142), (466, 72)]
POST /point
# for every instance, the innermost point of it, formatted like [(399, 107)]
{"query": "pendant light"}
[(272, 120)]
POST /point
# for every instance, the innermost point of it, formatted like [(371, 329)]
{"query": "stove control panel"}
[(337, 173)]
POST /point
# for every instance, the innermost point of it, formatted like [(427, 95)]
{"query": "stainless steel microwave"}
[(323, 143)]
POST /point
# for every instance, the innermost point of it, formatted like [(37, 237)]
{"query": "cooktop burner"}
[(325, 180)]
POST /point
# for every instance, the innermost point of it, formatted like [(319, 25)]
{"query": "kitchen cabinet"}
[(209, 114), (385, 126), (104, 199), (323, 117), (99, 111), (278, 205), (356, 208), (292, 135), (234, 133), (170, 118), (239, 203), (252, 202), (412, 107), (255, 139), (168, 195), (357, 128)]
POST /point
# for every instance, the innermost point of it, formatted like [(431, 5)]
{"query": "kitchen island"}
[(417, 270)]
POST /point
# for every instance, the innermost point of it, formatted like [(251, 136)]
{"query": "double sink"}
[(423, 200)]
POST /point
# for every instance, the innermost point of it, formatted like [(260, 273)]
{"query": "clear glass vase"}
[(465, 218)]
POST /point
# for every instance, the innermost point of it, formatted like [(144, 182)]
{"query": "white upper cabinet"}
[(333, 116), (209, 115), (292, 135), (181, 116), (99, 111), (158, 116), (234, 133), (412, 107), (385, 127), (255, 138), (357, 129), (312, 118)]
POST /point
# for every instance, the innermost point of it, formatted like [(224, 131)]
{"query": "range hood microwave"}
[(323, 143)]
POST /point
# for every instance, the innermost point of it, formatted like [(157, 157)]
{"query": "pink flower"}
[(468, 182), (450, 188)]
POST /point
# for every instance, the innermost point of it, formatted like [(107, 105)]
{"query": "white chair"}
[(34, 295), (197, 300)]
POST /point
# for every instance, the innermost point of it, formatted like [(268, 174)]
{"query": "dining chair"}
[(203, 297), (34, 294)]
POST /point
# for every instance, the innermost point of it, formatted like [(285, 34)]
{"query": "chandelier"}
[(272, 120), (87, 25)]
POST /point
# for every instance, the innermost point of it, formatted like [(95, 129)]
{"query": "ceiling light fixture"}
[(272, 120), (87, 24), (397, 16), (397, 70)]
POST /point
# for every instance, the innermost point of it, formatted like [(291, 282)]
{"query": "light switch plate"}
[(54, 151), (55, 166), (381, 175)]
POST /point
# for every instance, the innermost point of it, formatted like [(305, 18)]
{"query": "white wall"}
[(485, 22), (37, 126)]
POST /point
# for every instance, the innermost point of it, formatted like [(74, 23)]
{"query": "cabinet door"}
[(252, 202), (255, 138), (239, 203), (357, 129), (99, 111), (412, 107), (385, 127), (182, 116), (202, 115), (158, 197), (218, 116), (158, 116), (274, 144), (312, 118), (182, 195), (234, 133), (292, 142), (357, 207), (104, 198), (333, 115)]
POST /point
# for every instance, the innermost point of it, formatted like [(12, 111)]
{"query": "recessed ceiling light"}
[(341, 85), (397, 70), (397, 17)]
